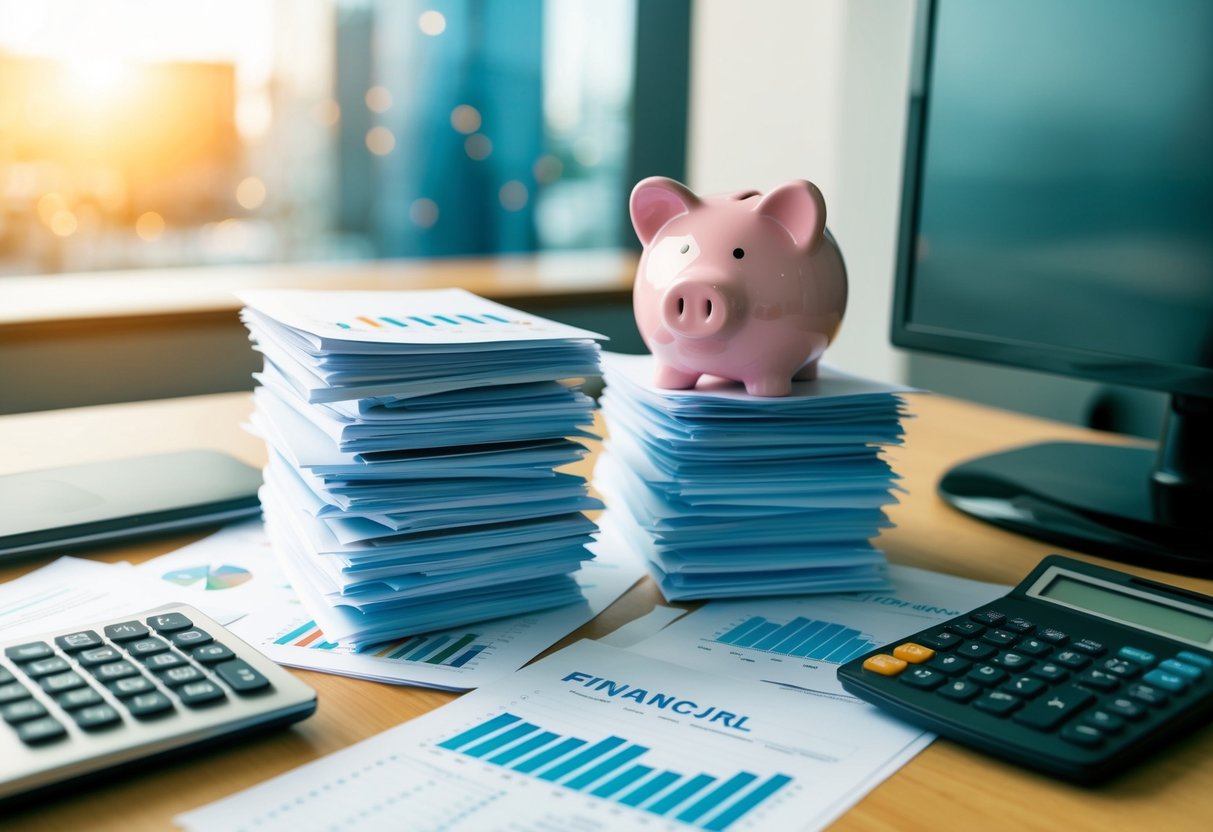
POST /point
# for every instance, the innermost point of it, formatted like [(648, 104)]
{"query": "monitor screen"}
[(1057, 215), (1060, 207)]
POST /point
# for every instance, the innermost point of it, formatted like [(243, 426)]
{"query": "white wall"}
[(812, 89)]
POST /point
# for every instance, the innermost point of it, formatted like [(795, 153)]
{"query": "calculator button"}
[(29, 652), (1120, 667), (193, 637), (46, 667), (1188, 671), (998, 703), (242, 677), (949, 664), (966, 628), (960, 690), (78, 698), (939, 640), (1014, 661), (1136, 654), (5, 675), (131, 686), (1098, 680), (1195, 658), (991, 618), (146, 647), (175, 676), (1024, 686), (884, 664), (169, 622), (909, 652), (21, 711), (75, 642), (114, 670), (1122, 706), (125, 631), (198, 694), (61, 682), (986, 674), (149, 705), (1089, 646), (1107, 722), (1149, 695), (1072, 659), (97, 717), (1172, 682), (1050, 672), (39, 731), (999, 637), (98, 655), (12, 692), (1081, 734), (211, 653), (1034, 647), (975, 650), (163, 661), (1053, 636), (1019, 625), (1059, 704), (923, 678)]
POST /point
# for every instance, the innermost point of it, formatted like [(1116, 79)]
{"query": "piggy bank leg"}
[(674, 379), (775, 384), (808, 372)]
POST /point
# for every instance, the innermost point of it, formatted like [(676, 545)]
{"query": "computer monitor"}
[(1058, 215)]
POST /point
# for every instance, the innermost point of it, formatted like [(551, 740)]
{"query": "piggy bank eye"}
[(739, 253), (685, 248)]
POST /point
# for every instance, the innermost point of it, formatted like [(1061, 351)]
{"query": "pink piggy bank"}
[(747, 286)]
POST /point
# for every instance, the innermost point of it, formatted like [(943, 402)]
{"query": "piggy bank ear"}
[(800, 208), (655, 201)]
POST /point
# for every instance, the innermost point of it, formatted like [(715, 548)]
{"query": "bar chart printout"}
[(802, 637), (447, 649), (592, 738), (613, 768)]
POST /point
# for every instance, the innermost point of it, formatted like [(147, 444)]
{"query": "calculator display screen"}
[(1130, 609)]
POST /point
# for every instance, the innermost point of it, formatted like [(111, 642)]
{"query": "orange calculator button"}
[(913, 653), (884, 664)]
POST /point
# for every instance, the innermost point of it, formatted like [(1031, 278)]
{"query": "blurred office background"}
[(142, 134)]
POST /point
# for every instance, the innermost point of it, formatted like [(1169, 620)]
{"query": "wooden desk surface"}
[(945, 787)]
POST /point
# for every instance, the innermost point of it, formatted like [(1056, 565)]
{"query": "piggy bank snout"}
[(698, 307)]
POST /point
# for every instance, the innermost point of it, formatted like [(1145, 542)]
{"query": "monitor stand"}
[(1152, 507)]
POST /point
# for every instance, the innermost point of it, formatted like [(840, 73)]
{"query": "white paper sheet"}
[(800, 641), (592, 738)]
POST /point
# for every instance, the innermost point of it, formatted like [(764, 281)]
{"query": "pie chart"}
[(209, 577)]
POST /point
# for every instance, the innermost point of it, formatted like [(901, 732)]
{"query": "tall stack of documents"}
[(413, 440), (727, 494)]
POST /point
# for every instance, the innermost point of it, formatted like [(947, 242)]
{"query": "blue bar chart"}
[(801, 637), (443, 649), (610, 768)]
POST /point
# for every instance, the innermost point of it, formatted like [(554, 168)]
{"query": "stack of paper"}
[(728, 494), (413, 440)]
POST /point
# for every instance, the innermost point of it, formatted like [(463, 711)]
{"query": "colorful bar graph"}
[(457, 319), (802, 637), (606, 769), (430, 649)]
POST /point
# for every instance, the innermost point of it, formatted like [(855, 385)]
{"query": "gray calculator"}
[(80, 701)]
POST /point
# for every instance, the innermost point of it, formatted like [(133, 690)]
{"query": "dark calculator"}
[(1078, 672)]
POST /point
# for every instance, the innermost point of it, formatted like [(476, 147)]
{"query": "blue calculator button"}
[(1195, 658), (1166, 681), (1136, 654), (1188, 671)]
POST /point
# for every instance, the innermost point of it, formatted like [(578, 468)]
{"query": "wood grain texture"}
[(947, 787)]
